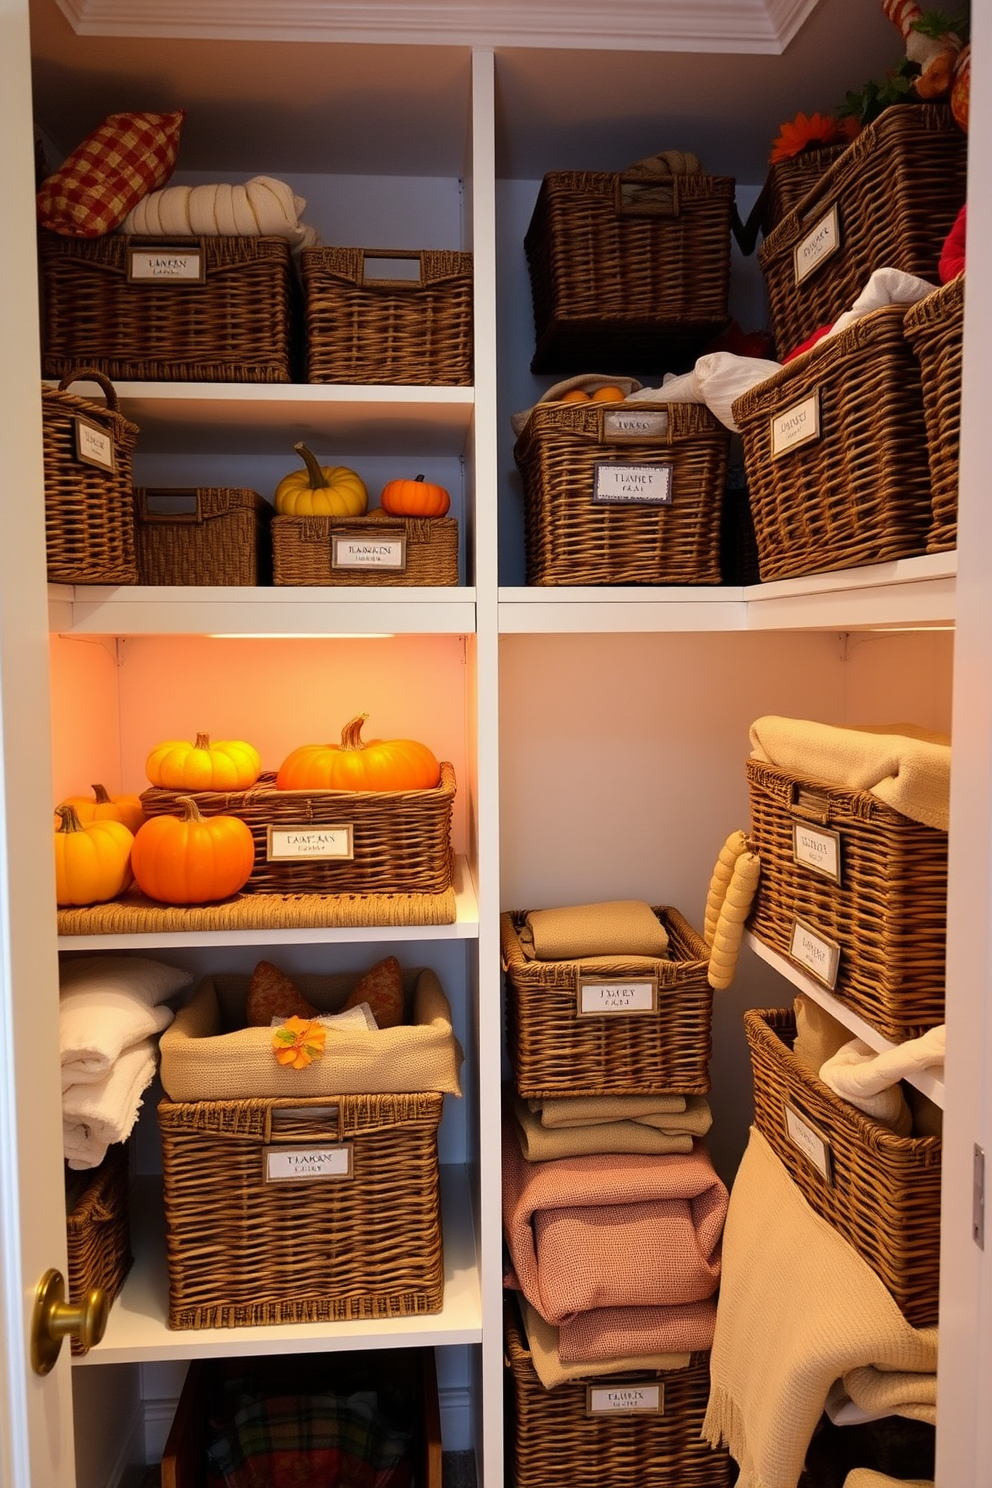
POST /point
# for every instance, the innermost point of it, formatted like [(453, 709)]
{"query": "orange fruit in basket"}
[(575, 395), (610, 394)]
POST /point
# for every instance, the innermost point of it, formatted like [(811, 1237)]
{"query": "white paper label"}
[(637, 995), (798, 425), (818, 245), (166, 265), (289, 844), (94, 446), (351, 551), (284, 1164), (819, 955), (627, 423), (621, 1399), (620, 484), (811, 1143), (816, 849)]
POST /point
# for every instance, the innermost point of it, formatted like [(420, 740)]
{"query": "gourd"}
[(357, 764), (92, 862), (104, 807), (414, 498), (228, 764), (192, 859), (320, 490), (723, 871), (728, 904)]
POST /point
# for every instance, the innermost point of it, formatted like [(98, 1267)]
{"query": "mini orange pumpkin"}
[(92, 862), (357, 765), (104, 807), (414, 498), (192, 858), (228, 764)]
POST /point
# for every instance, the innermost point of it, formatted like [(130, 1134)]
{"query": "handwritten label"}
[(819, 955), (816, 849), (636, 995), (798, 425), (297, 844), (166, 265), (627, 423), (818, 245), (621, 1399), (283, 1165), (351, 550), (623, 484), (94, 446), (813, 1145)]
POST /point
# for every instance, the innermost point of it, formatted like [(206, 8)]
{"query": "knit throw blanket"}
[(798, 1310), (545, 1144)]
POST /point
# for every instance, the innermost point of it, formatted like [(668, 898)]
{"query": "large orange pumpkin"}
[(414, 498), (191, 859), (101, 806), (228, 764), (359, 765), (92, 862)]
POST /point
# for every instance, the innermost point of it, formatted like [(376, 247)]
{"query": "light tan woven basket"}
[(934, 329), (202, 535), (371, 551), (879, 1191), (98, 1230)]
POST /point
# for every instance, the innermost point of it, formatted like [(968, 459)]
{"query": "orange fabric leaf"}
[(299, 1042)]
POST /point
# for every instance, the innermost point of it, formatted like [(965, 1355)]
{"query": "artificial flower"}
[(805, 134), (298, 1042)]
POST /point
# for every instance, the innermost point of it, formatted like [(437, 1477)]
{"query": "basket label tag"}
[(812, 1143), (630, 423), (355, 550), (283, 1164), (635, 995), (817, 849), (94, 446), (819, 955), (818, 245), (620, 483), (166, 265), (619, 1399), (797, 426), (296, 844)]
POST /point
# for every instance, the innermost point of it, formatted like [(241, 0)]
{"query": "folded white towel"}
[(261, 207), (864, 1077), (98, 1114), (108, 1003)]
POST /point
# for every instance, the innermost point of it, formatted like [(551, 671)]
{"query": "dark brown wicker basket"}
[(366, 327), (401, 840), (98, 1229), (573, 539), (554, 1439), (883, 1191), (897, 190), (787, 182), (307, 550), (858, 490), (888, 915), (934, 329), (243, 1251), (89, 509), (555, 1050), (620, 283), (203, 535), (235, 326)]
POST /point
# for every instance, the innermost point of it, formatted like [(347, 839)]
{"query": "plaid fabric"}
[(109, 173)]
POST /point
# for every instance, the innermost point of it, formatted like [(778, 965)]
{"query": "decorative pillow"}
[(271, 994), (109, 173), (382, 988)]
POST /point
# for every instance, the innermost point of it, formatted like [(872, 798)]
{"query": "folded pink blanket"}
[(615, 1332)]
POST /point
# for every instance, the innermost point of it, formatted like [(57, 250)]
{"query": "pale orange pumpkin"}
[(92, 862), (104, 807), (227, 764), (359, 765), (192, 859)]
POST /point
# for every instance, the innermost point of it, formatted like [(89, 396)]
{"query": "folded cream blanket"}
[(587, 1110), (798, 1310), (908, 768), (869, 1394), (867, 1477), (617, 927), (261, 207), (104, 1111), (870, 1080), (544, 1144), (542, 1340), (108, 1003)]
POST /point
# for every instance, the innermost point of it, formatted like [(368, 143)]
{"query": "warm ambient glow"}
[(301, 635)]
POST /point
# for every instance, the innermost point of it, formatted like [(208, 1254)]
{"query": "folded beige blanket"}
[(619, 927), (586, 1110), (876, 1393), (611, 1332), (542, 1340), (908, 768), (542, 1144), (866, 1477), (261, 207), (798, 1310)]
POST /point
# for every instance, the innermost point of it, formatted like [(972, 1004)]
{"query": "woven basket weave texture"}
[(216, 535), (98, 1232), (303, 550), (934, 329)]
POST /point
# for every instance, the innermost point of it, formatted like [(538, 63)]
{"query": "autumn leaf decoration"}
[(808, 133), (298, 1042)]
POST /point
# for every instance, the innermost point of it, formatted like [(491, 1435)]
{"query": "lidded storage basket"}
[(934, 329), (89, 507), (388, 316), (622, 493), (98, 1229), (879, 1191), (628, 272), (371, 550), (203, 535)]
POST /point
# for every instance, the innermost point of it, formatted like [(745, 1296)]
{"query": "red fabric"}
[(952, 254), (109, 173), (805, 345)]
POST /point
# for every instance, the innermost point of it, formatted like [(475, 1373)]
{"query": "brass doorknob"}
[(54, 1319)]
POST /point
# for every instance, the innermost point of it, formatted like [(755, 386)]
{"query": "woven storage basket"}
[(619, 283), (234, 326), (556, 1050), (554, 1438), (883, 1191), (897, 190), (887, 916), (363, 325), (243, 1251), (933, 329), (385, 551), (98, 1230), (857, 490), (203, 535), (89, 510), (787, 182), (400, 840), (679, 450)]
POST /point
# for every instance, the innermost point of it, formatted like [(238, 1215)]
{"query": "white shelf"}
[(137, 1331), (926, 1083)]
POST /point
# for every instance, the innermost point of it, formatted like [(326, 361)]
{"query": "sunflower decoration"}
[(810, 132)]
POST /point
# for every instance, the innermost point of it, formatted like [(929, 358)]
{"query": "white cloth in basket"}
[(104, 1111)]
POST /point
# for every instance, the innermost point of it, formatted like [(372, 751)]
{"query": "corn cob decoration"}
[(728, 903)]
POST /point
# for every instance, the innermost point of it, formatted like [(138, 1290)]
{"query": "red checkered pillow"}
[(109, 173)]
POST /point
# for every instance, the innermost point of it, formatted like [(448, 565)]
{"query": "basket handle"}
[(92, 374), (637, 203), (810, 805), (658, 415), (185, 514), (331, 1112), (391, 256)]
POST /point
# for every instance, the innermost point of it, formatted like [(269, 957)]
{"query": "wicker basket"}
[(855, 487), (933, 329), (556, 1437), (620, 282), (787, 182), (389, 551), (888, 915), (203, 535), (879, 1191), (368, 321), (98, 1229), (233, 326), (400, 841), (896, 190), (248, 1246), (89, 511), (557, 1050), (571, 453)]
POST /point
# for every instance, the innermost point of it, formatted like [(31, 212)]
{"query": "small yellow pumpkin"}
[(320, 490), (228, 764), (92, 863), (104, 807)]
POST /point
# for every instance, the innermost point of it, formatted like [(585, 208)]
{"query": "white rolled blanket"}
[(868, 1079), (261, 207), (108, 1003), (104, 1111)]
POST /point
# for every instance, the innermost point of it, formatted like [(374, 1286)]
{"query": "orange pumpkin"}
[(104, 807), (414, 498), (191, 859), (229, 764), (92, 862), (359, 765)]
